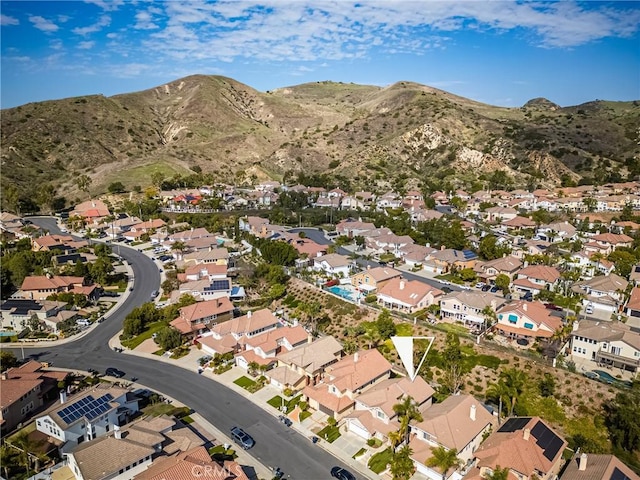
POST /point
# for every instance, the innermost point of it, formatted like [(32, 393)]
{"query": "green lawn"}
[(147, 334), (378, 462), (244, 382), (359, 453), (276, 402), (329, 433), (158, 409)]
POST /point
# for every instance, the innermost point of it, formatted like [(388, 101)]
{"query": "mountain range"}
[(405, 135)]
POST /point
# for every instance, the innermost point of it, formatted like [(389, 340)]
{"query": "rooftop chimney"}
[(249, 314), (116, 432), (472, 413), (63, 396), (582, 462), (525, 306), (526, 433), (356, 357), (401, 284)]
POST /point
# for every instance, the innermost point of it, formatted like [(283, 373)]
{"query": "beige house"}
[(609, 343), (197, 318), (467, 306), (344, 380), (529, 320), (527, 446), (593, 466), (536, 278), (488, 271), (305, 365), (374, 416), (459, 422), (407, 296), (373, 279)]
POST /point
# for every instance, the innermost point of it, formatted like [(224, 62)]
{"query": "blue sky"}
[(498, 52)]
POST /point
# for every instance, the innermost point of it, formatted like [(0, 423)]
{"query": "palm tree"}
[(402, 466), (499, 473), (443, 459), (515, 381), (407, 411), (500, 392), (395, 438)]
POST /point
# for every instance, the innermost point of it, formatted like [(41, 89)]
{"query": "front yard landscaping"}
[(378, 462), (276, 402), (330, 433), (249, 385), (148, 333)]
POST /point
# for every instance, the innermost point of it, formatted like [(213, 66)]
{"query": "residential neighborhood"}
[(525, 299)]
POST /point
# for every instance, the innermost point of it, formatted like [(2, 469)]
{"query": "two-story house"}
[(17, 312), (352, 228), (535, 278), (528, 320), (197, 318), (372, 279), (23, 391), (468, 307), (373, 415), (39, 287), (526, 446), (265, 347), (593, 466), (458, 422), (342, 381), (606, 243), (604, 293), (333, 264), (445, 260), (89, 414), (609, 343), (305, 364), (489, 270), (407, 296)]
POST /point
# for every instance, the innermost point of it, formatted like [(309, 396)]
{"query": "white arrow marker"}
[(404, 346)]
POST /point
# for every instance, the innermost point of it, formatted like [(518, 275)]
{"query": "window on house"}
[(528, 325), (513, 319)]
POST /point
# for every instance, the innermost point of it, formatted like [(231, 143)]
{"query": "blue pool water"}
[(341, 292), (607, 378)]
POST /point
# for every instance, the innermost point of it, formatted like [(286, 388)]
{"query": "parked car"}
[(486, 288), (552, 306), (480, 285), (114, 372), (242, 438), (342, 474), (589, 309)]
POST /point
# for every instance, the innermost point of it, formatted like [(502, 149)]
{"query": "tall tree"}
[(443, 459), (402, 467), (498, 391), (407, 411), (83, 182), (453, 363), (515, 381)]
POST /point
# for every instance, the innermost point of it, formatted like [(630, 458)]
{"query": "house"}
[(343, 380), (91, 211), (39, 287), (604, 292), (468, 306), (407, 295), (209, 271), (195, 319), (488, 271), (458, 422), (372, 279), (17, 312), (415, 255), (256, 226), (446, 259), (230, 335), (594, 466), (218, 256), (556, 232), (61, 243), (389, 242), (193, 463), (519, 223), (529, 320), (304, 365), (527, 446), (535, 278), (607, 242), (307, 247), (264, 348), (148, 226), (632, 308), (373, 415), (23, 391), (187, 235), (608, 343), (333, 264), (87, 415), (500, 214)]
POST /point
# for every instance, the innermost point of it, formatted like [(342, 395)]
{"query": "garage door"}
[(355, 427)]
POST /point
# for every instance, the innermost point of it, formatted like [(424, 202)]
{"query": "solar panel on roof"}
[(618, 474), (547, 440), (513, 424)]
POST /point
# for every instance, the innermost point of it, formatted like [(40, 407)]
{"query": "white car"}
[(589, 309)]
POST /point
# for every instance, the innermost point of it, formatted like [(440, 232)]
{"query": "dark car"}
[(342, 474), (552, 306), (242, 438), (486, 288), (114, 372)]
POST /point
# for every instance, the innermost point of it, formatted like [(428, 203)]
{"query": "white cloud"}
[(103, 21), (107, 5), (6, 20), (87, 45), (43, 24), (145, 19)]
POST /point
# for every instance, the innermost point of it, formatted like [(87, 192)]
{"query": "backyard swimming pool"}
[(342, 292), (608, 378)]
